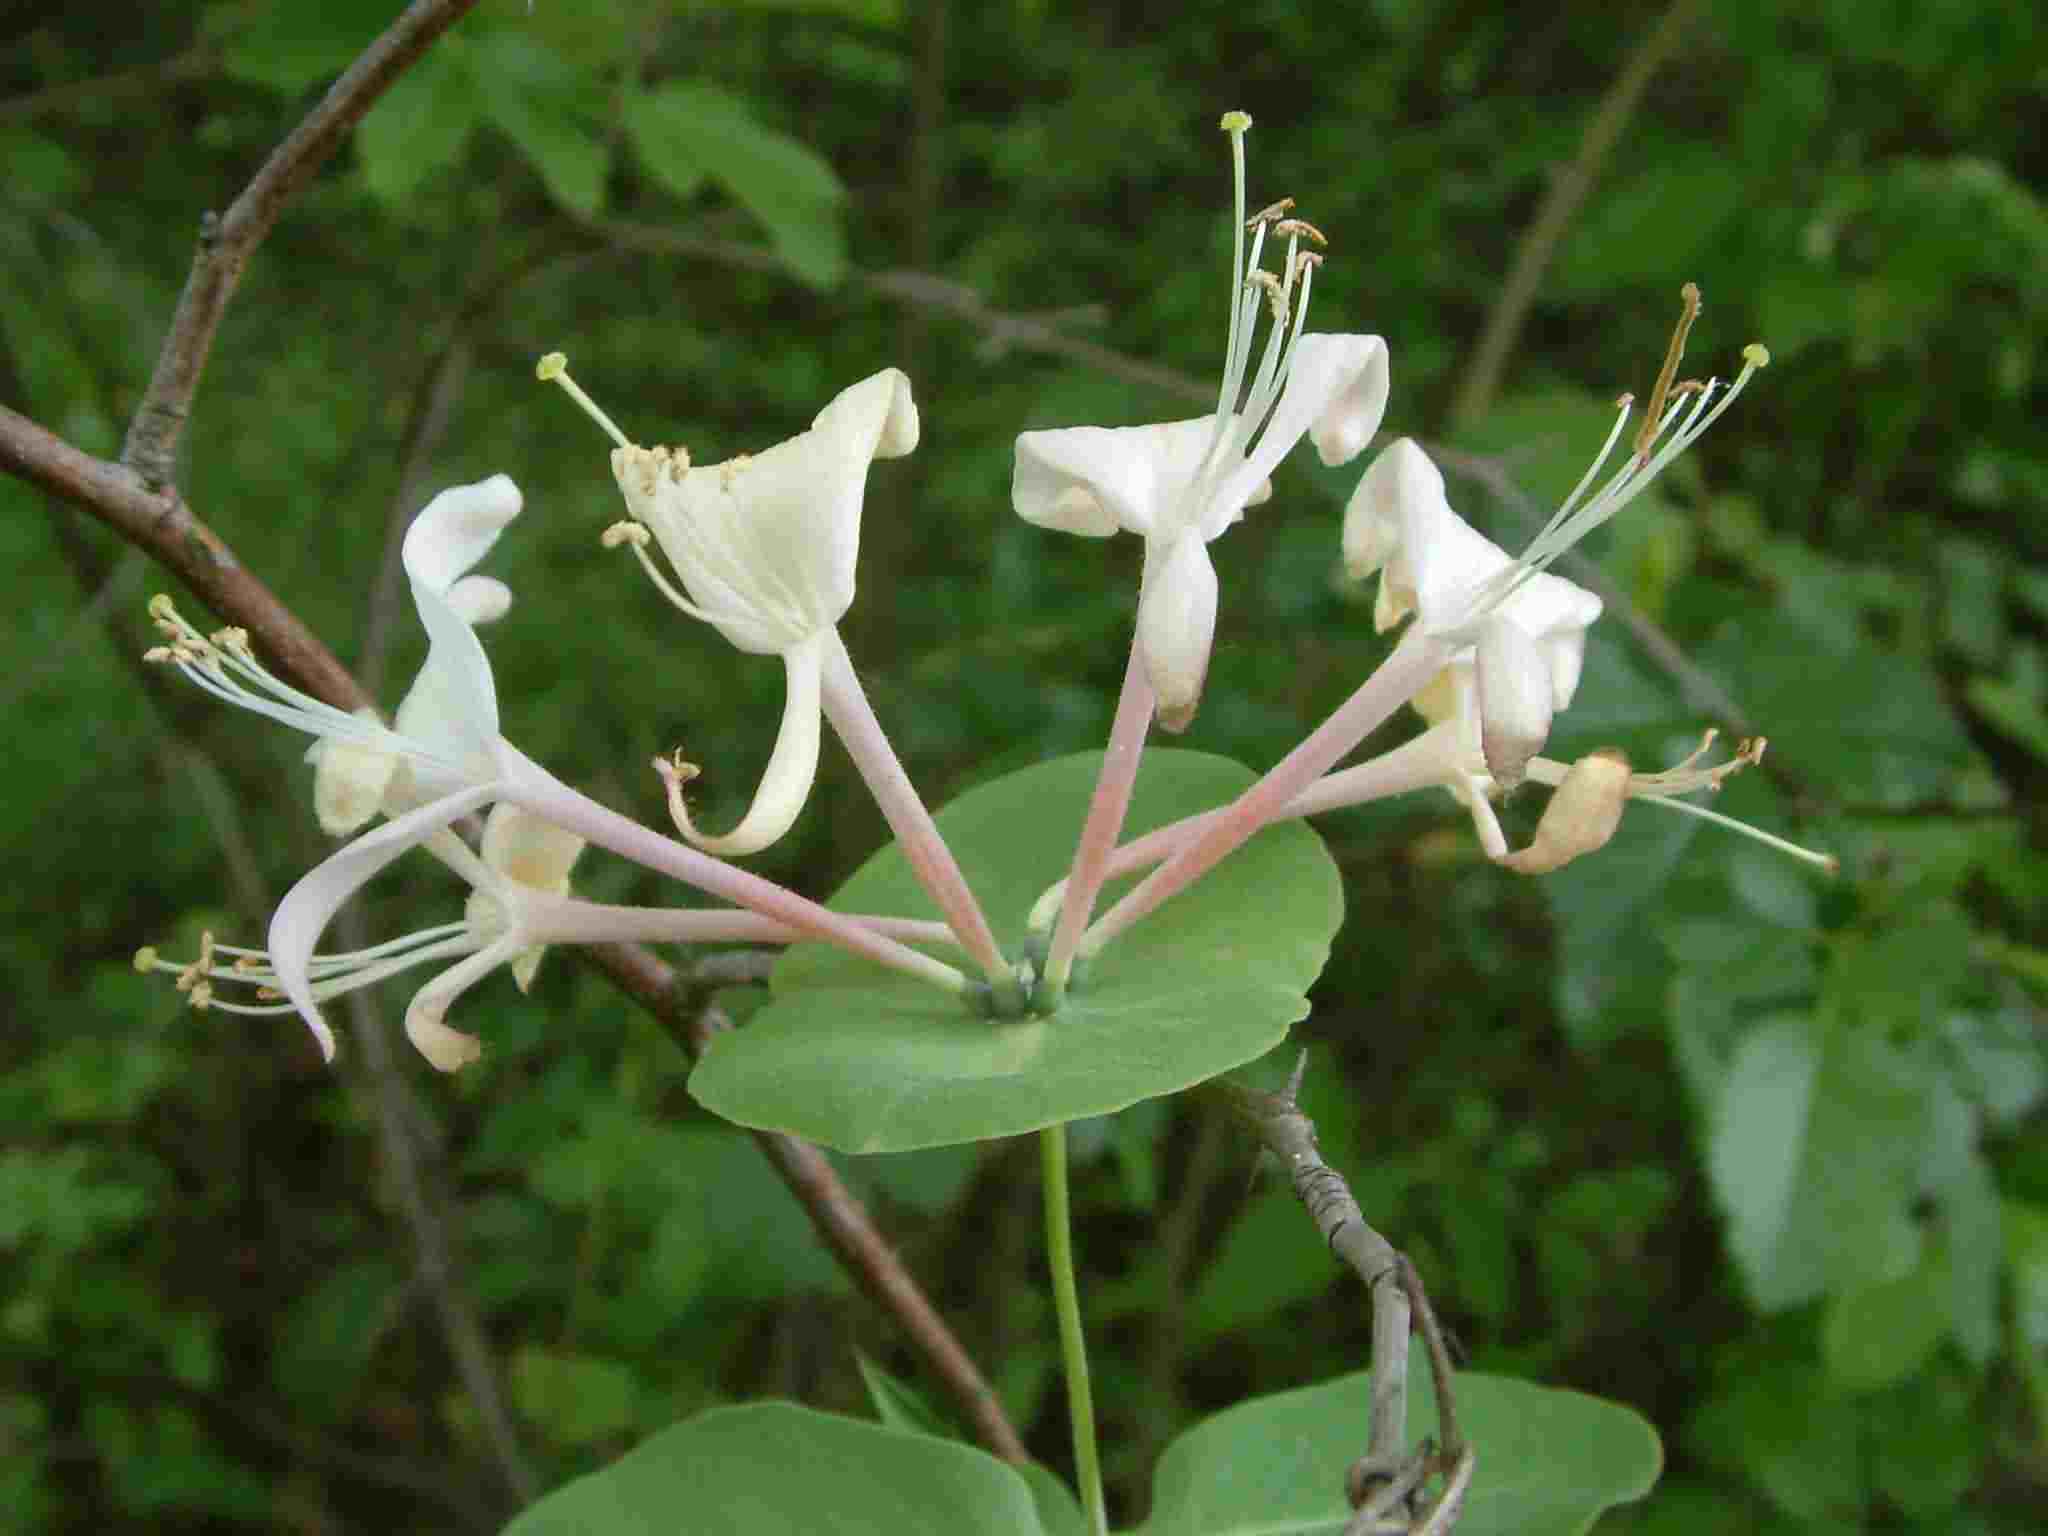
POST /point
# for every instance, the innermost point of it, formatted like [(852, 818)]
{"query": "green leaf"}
[(549, 112), (420, 125), (1877, 1334), (576, 1399), (1262, 1268), (779, 1467), (898, 1404), (1816, 1147), (869, 1061), (688, 133), (1872, 726), (289, 47), (1548, 1461)]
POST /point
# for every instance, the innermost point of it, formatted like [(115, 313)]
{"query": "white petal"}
[(787, 783), (1095, 480), (457, 529), (450, 1049), (528, 850), (874, 419), (1348, 422), (767, 545), (1177, 626), (1583, 812), (1337, 385), (1400, 473), (309, 906), (480, 599), (349, 781), (452, 708), (1515, 701)]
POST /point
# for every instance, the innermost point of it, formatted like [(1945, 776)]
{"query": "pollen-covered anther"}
[(1305, 260), (1276, 293), (1272, 213), (625, 532), (1300, 227), (192, 979), (674, 774)]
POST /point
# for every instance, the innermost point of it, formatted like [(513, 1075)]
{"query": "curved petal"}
[(349, 781), (1400, 473), (1515, 698), (309, 906), (450, 1050), (1177, 626), (457, 529), (1348, 422), (452, 707), (1095, 480), (787, 783), (874, 419), (480, 599), (528, 849), (1337, 386), (1583, 812)]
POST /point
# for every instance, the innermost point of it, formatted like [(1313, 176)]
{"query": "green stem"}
[(1059, 1247)]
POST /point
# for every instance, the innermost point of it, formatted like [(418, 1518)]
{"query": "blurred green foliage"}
[(1760, 1155)]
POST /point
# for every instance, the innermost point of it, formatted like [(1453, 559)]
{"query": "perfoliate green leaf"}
[(778, 1467), (867, 1061), (687, 133), (1548, 1461)]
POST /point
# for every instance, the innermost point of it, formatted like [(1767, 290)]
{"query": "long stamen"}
[(1235, 124), (1689, 295), (554, 369), (224, 665)]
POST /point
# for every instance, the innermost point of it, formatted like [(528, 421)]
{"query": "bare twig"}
[(434, 1253), (680, 1003), (227, 241), (1567, 194), (1386, 1478)]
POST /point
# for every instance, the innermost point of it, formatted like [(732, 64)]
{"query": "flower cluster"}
[(764, 549)]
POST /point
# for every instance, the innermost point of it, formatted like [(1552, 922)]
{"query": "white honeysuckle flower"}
[(1179, 484), (1521, 653), (765, 546), (522, 858), (447, 758)]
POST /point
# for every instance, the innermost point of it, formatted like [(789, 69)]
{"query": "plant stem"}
[(1059, 1252)]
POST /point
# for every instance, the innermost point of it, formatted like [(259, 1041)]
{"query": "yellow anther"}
[(1235, 122), (1269, 214), (624, 533), (1300, 227), (551, 367), (1276, 295), (1757, 355), (200, 997), (145, 959), (159, 654), (163, 610)]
